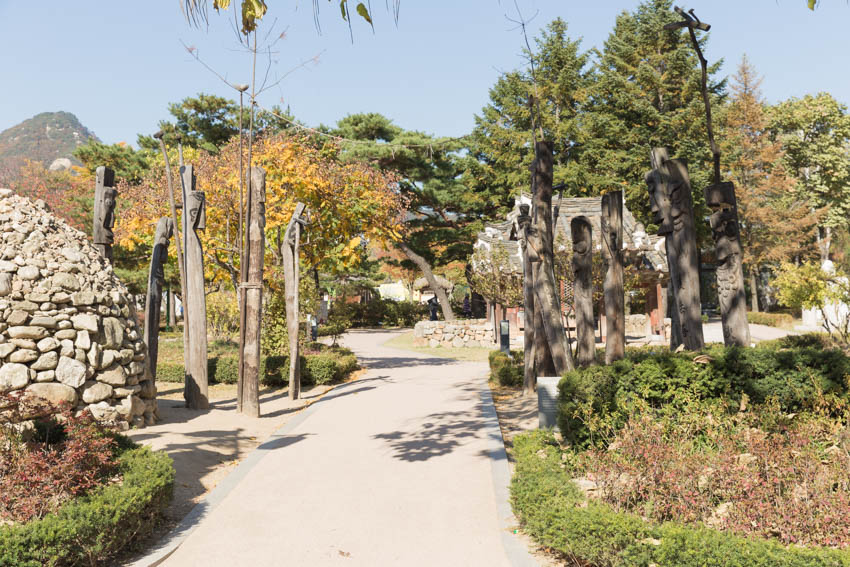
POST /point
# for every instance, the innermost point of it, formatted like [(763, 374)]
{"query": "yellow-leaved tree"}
[(348, 202)]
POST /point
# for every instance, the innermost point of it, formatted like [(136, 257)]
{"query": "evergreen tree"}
[(500, 147), (646, 94)]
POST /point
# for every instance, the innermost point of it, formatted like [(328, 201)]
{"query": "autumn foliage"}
[(348, 202)]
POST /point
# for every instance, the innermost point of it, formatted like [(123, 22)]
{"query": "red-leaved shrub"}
[(787, 480), (47, 456)]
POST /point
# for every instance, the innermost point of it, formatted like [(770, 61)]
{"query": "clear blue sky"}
[(116, 64)]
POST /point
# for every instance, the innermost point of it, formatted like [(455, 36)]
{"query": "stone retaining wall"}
[(68, 329), (455, 334)]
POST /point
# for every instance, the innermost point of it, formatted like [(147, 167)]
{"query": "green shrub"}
[(506, 370), (771, 319), (90, 529), (792, 371), (170, 372), (378, 312), (553, 511), (331, 364)]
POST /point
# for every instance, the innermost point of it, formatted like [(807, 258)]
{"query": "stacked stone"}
[(455, 334), (68, 328)]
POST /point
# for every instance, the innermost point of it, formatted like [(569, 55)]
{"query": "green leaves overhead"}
[(361, 9), (252, 10)]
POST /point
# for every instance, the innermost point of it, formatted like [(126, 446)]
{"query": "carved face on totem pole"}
[(197, 210), (527, 240), (659, 201), (724, 229), (104, 206), (669, 191), (164, 232), (582, 242)]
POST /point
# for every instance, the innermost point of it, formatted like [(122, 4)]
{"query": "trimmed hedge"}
[(796, 371), (506, 370), (553, 511), (94, 527), (770, 319), (325, 367)]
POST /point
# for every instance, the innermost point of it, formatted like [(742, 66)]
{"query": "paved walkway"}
[(403, 467)]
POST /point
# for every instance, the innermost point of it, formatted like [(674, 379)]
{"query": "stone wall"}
[(455, 334), (68, 329)]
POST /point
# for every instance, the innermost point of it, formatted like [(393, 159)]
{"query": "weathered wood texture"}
[(195, 303), (672, 206), (292, 241), (156, 279), (253, 293), (104, 211), (529, 255), (720, 198), (546, 300), (612, 252), (582, 264)]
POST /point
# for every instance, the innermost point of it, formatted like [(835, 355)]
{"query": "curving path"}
[(405, 466)]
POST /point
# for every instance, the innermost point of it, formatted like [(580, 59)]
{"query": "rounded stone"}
[(53, 393), (29, 273), (94, 392), (47, 361), (13, 376), (71, 372)]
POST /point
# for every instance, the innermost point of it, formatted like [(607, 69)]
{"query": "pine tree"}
[(647, 94), (775, 225), (500, 147)]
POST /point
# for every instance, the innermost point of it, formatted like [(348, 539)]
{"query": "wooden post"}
[(195, 303), (672, 206), (612, 251), (720, 197), (104, 211), (582, 264), (253, 292), (546, 299), (156, 279), (291, 243), (529, 381)]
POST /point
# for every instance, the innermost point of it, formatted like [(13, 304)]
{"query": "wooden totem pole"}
[(720, 197), (249, 373), (582, 264), (672, 208), (612, 252), (547, 306), (529, 244), (195, 313), (156, 279), (104, 211), (291, 243)]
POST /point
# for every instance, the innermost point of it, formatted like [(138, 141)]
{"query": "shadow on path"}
[(442, 432)]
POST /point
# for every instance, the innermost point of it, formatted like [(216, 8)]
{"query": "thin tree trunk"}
[(439, 291), (754, 295)]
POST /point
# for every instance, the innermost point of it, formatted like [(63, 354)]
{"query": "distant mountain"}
[(46, 137)]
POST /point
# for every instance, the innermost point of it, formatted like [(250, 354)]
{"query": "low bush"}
[(770, 319), (506, 370), (791, 371), (328, 365), (71, 491), (378, 312), (554, 512), (91, 528)]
